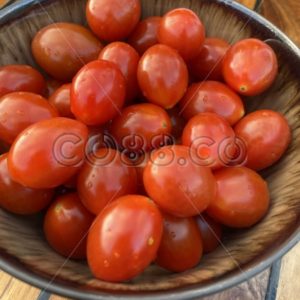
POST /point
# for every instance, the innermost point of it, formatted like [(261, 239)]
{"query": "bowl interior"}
[(25, 253)]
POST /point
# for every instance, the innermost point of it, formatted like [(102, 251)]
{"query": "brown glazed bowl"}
[(25, 254)]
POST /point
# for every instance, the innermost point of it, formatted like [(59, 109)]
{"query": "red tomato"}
[(61, 100), (61, 49), (141, 126), (267, 135), (211, 233), (54, 152), (127, 59), (215, 97), (181, 244), (124, 238), (98, 92), (18, 199), (144, 35), (182, 30), (207, 65), (113, 20), (66, 226), (52, 86), (177, 121), (104, 177), (250, 67), (21, 109), (21, 78), (162, 76), (212, 138), (242, 197), (178, 184)]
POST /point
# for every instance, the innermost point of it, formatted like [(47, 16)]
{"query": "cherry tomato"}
[(215, 97), (98, 92), (182, 30), (21, 78), (212, 138), (52, 86), (177, 121), (61, 100), (178, 184), (144, 35), (242, 198), (61, 49), (141, 126), (66, 225), (250, 67), (267, 135), (162, 76), (211, 232), (18, 199), (104, 177), (48, 153), (19, 110), (127, 59), (181, 244), (124, 238), (113, 20), (207, 65)]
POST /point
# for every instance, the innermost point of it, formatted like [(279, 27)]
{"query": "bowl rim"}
[(189, 292)]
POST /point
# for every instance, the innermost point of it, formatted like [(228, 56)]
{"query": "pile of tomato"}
[(144, 151)]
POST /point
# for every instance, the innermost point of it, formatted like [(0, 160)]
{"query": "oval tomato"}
[(144, 35), (127, 59), (242, 198), (215, 97), (182, 30), (181, 244), (250, 67), (124, 238), (21, 78), (178, 185), (98, 92), (18, 199), (113, 20), (54, 152), (21, 109), (166, 86), (61, 49), (104, 177), (66, 226), (267, 135)]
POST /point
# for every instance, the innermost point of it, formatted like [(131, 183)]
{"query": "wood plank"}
[(288, 287)]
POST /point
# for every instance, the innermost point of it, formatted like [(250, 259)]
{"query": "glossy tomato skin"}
[(146, 125), (211, 137), (105, 176), (181, 244), (61, 100), (267, 136), (211, 232), (162, 76), (207, 65), (127, 59), (18, 199), (19, 110), (21, 78), (124, 238), (250, 67), (61, 49), (215, 97), (182, 30), (177, 184), (113, 20), (66, 226), (98, 93), (242, 198), (144, 35), (54, 153)]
